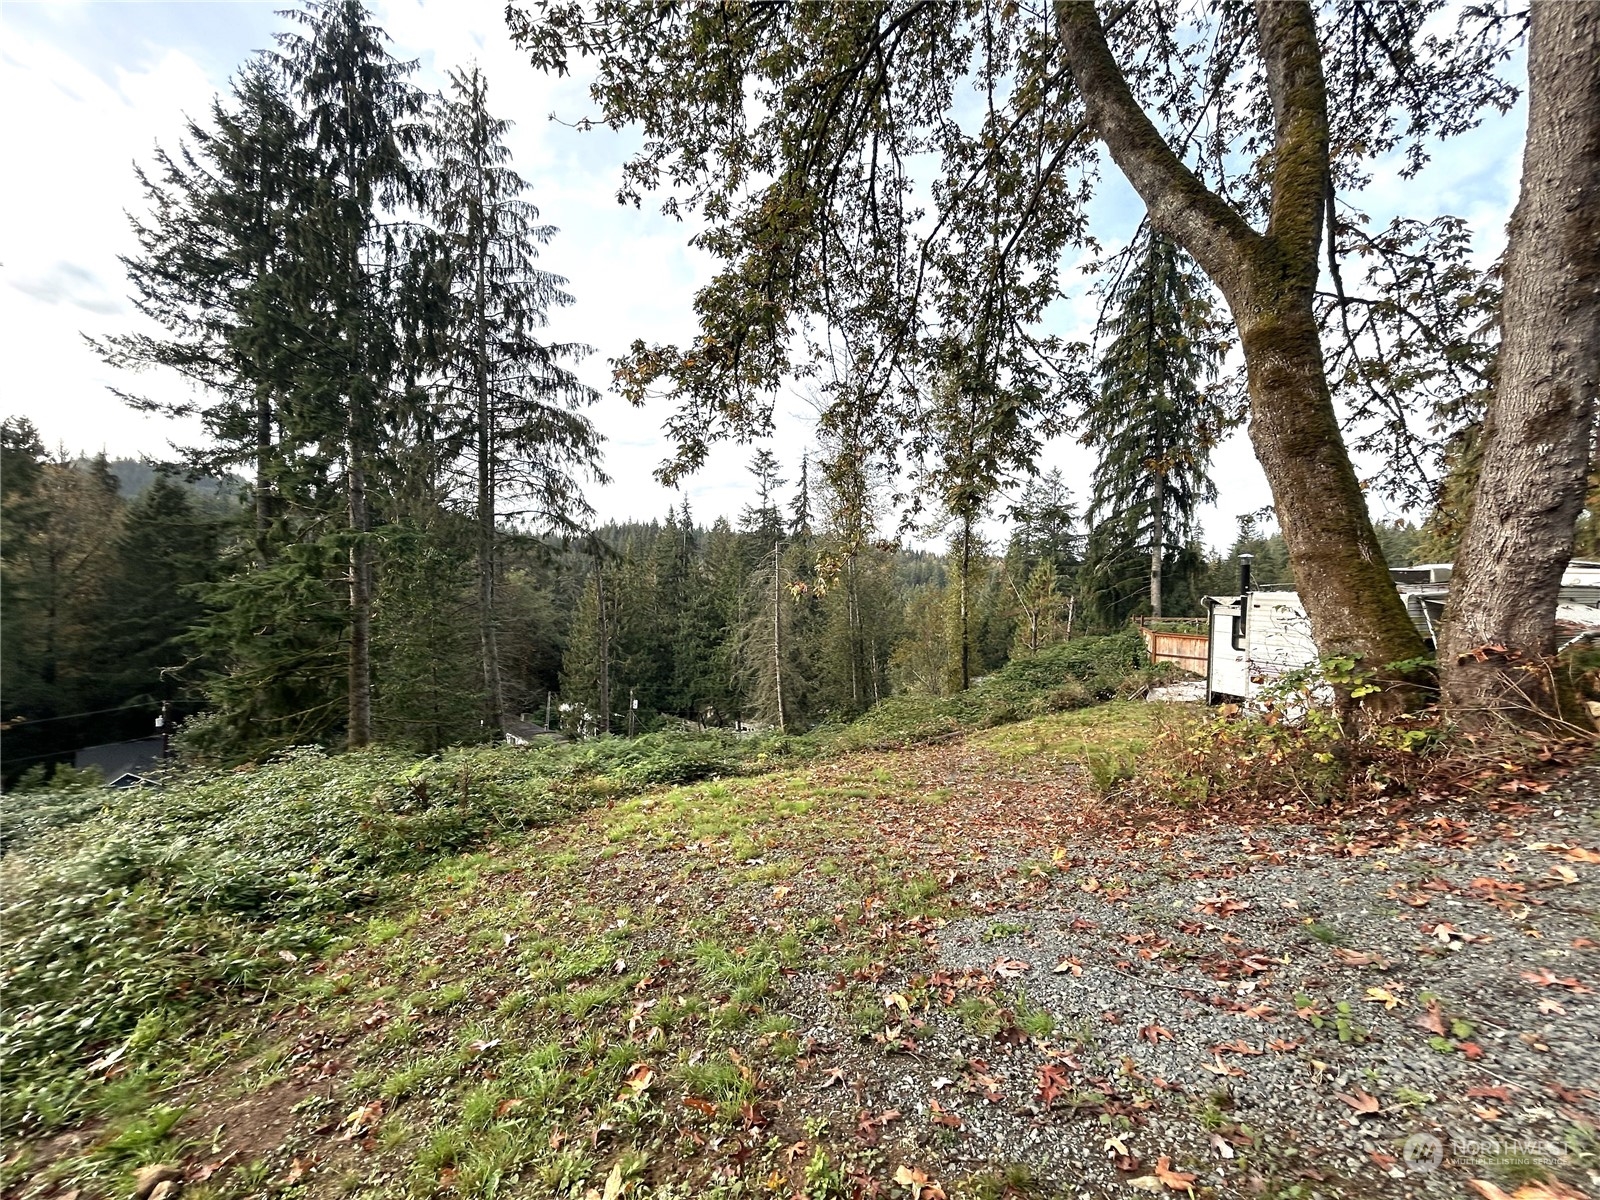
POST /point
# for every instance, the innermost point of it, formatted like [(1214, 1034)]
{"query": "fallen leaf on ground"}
[(1545, 977), (922, 1187), (1359, 958), (1432, 1020), (1362, 1103), (1178, 1181), (639, 1079)]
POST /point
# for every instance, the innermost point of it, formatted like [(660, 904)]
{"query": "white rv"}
[(1257, 637)]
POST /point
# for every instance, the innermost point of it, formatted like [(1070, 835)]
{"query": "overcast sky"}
[(89, 89)]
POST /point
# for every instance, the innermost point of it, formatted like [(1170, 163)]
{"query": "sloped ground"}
[(945, 971)]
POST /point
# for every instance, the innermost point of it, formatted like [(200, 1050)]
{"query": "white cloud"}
[(83, 104)]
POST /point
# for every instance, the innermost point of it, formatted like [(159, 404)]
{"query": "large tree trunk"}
[(359, 733), (966, 579), (777, 635), (488, 634), (1268, 280), (263, 496), (605, 647), (1157, 542), (1499, 633), (1339, 567)]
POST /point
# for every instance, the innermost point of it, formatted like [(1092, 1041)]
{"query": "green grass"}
[(326, 885)]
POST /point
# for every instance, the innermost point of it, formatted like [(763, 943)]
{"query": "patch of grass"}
[(719, 1079), (1003, 929)]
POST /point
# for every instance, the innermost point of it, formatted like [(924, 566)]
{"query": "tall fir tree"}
[(1151, 420), (361, 114), (511, 403), (228, 212)]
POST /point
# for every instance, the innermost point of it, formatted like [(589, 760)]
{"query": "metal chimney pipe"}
[(1244, 572)]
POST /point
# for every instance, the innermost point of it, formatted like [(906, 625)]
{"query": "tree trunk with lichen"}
[(1497, 656), (1268, 280)]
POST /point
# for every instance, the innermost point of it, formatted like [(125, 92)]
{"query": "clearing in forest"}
[(958, 969)]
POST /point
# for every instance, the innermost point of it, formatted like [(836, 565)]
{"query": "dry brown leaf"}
[(922, 1187), (1362, 1103), (1178, 1181)]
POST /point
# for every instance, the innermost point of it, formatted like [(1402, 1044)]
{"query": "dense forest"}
[(124, 586), (401, 548)]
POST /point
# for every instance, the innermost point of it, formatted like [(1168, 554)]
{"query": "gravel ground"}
[(1284, 1011)]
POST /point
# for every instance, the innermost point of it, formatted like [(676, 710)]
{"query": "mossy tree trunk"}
[(1268, 280), (1499, 637)]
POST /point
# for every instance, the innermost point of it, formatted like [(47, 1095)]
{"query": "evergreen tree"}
[(854, 574), (920, 661), (727, 564), (165, 554), (1151, 419), (763, 520), (511, 402), (1044, 549), (800, 505), (586, 667), (278, 629), (360, 112), (228, 214), (430, 691), (770, 654), (980, 433)]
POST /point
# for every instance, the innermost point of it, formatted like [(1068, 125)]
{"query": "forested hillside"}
[(116, 605)]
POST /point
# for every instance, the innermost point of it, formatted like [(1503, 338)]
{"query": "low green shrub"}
[(163, 897), (1069, 675), (41, 801)]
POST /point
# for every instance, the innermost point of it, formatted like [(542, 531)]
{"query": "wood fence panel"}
[(1187, 650)]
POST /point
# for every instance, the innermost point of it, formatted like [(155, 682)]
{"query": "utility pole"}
[(547, 711), (164, 726), (633, 710), (777, 631)]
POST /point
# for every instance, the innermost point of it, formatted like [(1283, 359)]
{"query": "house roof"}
[(115, 759)]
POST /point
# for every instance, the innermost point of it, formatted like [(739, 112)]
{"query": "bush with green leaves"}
[(1068, 675), (166, 896), (42, 800)]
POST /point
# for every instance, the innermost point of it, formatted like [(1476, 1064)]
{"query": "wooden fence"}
[(1188, 650)]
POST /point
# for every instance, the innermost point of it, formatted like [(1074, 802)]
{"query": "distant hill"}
[(134, 478)]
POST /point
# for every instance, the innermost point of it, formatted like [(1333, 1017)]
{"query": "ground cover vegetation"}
[(1079, 951), (130, 914)]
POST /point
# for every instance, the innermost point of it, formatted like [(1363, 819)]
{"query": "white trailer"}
[(1257, 637)]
